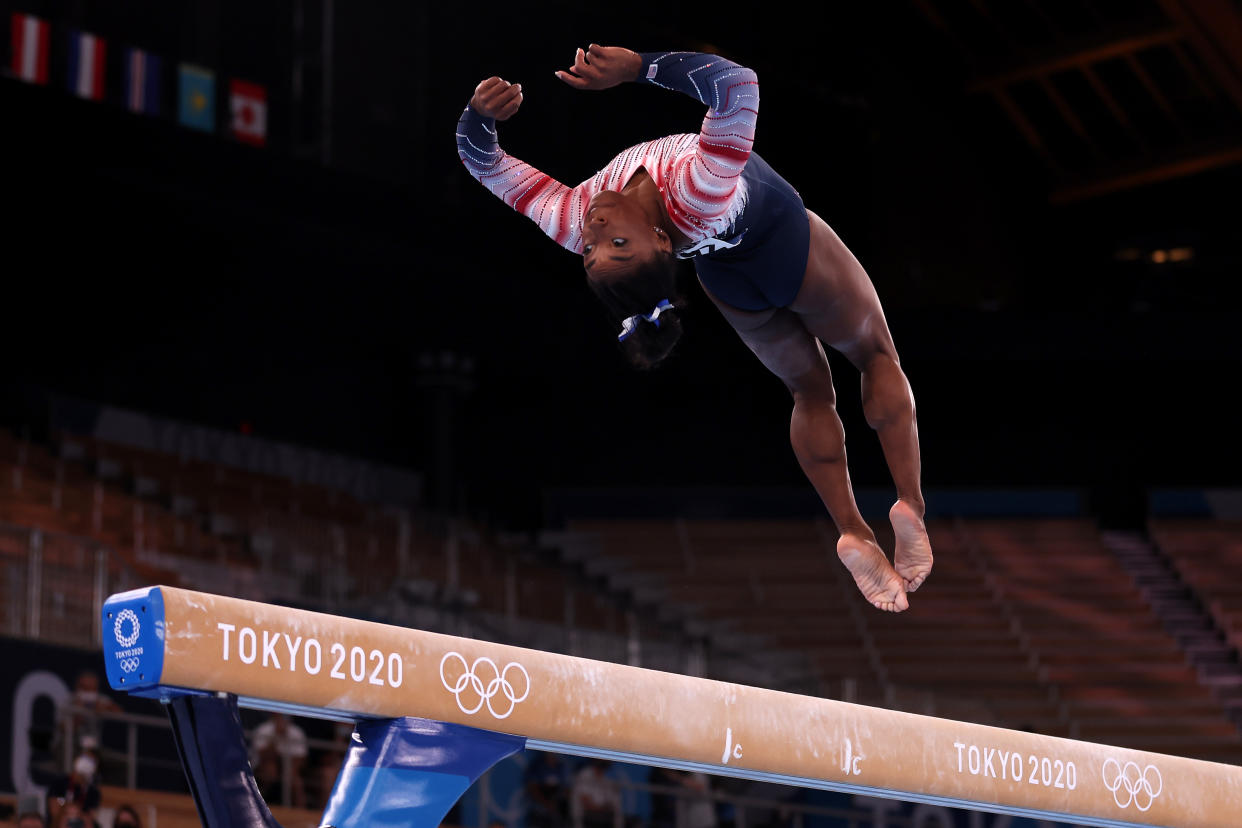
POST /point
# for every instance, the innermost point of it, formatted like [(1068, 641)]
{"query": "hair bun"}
[(652, 343), (642, 292)]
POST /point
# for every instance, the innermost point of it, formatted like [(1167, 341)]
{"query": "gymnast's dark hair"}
[(638, 291)]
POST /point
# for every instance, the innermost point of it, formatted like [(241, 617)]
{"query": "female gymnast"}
[(779, 275)]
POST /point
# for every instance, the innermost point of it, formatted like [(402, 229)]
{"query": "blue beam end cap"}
[(133, 639)]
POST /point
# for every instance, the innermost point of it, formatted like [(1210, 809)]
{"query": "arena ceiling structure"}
[(1043, 191), (1105, 96)]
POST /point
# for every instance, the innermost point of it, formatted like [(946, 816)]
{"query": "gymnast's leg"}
[(888, 406), (787, 349), (818, 441), (838, 303)]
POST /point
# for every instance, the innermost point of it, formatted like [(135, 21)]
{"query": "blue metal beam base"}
[(212, 744), (409, 772), (398, 772)]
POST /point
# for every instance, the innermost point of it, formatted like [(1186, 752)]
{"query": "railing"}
[(54, 585), (127, 756), (793, 814), (746, 810), (129, 759), (53, 582)]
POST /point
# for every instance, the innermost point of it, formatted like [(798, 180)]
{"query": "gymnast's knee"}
[(812, 388)]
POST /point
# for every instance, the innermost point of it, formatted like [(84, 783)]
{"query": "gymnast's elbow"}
[(746, 83), (749, 76)]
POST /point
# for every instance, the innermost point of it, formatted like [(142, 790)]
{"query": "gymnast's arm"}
[(707, 179), (557, 209)]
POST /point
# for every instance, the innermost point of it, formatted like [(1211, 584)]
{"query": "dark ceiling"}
[(1045, 192)]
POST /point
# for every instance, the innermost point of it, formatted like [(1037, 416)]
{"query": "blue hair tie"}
[(631, 324)]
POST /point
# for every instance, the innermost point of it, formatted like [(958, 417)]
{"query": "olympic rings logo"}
[(481, 682), (117, 627), (1128, 784), (129, 665)]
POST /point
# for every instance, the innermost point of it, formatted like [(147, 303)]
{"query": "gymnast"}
[(775, 270)]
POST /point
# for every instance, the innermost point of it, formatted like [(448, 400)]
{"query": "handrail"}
[(481, 623), (135, 720)]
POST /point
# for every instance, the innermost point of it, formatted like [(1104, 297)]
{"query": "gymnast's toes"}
[(877, 581), (912, 557)]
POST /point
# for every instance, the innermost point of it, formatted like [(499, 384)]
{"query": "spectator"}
[(31, 819), (696, 808), (73, 815), (126, 817), (664, 801), (77, 793), (547, 790), (78, 721), (47, 763), (727, 812), (328, 767), (595, 801), (777, 812), (276, 744)]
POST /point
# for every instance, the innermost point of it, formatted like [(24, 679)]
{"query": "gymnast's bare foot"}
[(912, 557), (879, 582)]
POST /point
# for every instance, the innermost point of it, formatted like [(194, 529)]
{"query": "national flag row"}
[(143, 76)]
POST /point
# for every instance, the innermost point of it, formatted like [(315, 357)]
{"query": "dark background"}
[(193, 277)]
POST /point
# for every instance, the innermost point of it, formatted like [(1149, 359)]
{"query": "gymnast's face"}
[(618, 234)]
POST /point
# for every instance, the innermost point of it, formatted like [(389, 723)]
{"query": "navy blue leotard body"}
[(759, 263)]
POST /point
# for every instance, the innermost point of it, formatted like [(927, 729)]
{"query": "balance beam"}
[(164, 642)]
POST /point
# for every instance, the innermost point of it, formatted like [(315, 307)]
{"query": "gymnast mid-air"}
[(779, 275)]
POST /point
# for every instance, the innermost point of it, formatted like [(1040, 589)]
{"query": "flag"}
[(248, 103), (30, 48), (86, 65), (197, 107), (142, 82)]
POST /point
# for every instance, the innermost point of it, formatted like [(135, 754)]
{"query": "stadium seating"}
[(1201, 551), (1026, 623)]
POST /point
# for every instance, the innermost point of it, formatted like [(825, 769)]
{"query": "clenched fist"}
[(497, 98)]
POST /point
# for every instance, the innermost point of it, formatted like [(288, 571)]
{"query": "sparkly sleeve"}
[(556, 208), (708, 179)]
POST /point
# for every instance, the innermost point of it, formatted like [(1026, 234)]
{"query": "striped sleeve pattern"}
[(705, 182), (557, 209), (699, 175)]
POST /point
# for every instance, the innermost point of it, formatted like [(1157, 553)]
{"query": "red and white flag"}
[(30, 48), (248, 103)]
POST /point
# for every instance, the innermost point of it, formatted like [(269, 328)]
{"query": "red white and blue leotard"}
[(748, 230)]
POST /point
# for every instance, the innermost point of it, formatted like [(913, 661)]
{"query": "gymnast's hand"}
[(601, 67), (497, 98)]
